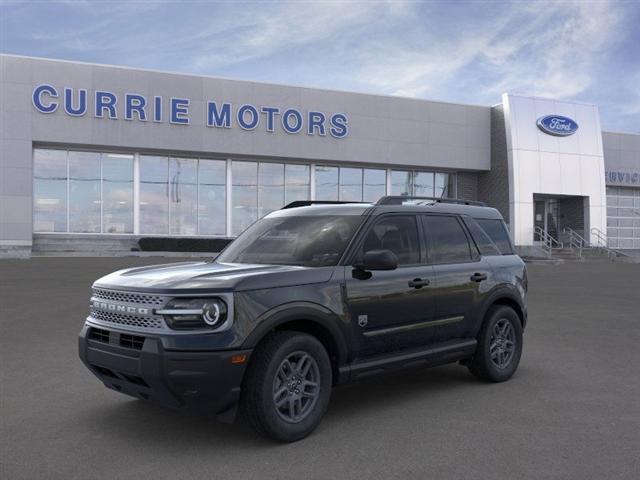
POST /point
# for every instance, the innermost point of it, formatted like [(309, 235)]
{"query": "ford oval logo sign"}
[(557, 125)]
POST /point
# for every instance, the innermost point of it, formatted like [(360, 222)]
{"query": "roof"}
[(345, 208)]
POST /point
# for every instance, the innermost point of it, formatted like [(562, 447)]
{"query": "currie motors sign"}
[(131, 106), (557, 125)]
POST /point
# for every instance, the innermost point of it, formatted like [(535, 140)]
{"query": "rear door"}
[(461, 276), (388, 309)]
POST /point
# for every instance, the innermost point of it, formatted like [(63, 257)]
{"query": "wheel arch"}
[(312, 319), (507, 298)]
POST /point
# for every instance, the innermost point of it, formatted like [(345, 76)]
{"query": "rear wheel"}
[(499, 345), (288, 386)]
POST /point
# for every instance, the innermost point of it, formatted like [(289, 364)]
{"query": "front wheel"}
[(499, 345), (288, 386)]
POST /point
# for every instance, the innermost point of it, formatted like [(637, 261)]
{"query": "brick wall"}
[(467, 185), (493, 186)]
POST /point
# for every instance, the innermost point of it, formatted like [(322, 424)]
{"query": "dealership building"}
[(96, 157)]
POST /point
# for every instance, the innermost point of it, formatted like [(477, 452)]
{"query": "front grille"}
[(99, 335), (128, 320), (131, 341), (126, 297)]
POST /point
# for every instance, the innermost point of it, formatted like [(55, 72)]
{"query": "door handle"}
[(418, 283), (478, 277)]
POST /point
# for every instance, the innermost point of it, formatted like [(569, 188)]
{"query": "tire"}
[(274, 389), (492, 361)]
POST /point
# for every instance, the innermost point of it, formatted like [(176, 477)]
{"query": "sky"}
[(456, 51)]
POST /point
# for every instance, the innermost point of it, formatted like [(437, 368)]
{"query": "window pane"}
[(154, 195), (351, 184), (183, 193), (117, 193), (374, 185), (50, 190), (400, 183), (212, 175), (442, 183), (297, 183), (452, 187), (484, 243), (449, 243), (271, 188), (398, 234), (84, 192), (244, 205), (423, 184), (498, 233), (326, 183)]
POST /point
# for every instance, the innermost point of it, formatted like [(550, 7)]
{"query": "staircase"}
[(574, 247)]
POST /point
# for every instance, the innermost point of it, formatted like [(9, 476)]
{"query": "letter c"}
[(37, 98)]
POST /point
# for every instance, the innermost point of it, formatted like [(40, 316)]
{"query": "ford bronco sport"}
[(310, 296)]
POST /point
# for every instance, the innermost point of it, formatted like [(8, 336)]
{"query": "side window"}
[(498, 233), (484, 243), (398, 234), (449, 242)]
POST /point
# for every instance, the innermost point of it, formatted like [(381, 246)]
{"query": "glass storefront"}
[(623, 217), (94, 192)]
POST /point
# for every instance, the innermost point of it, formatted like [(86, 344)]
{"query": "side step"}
[(439, 354)]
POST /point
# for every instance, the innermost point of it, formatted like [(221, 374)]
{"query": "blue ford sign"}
[(557, 125)]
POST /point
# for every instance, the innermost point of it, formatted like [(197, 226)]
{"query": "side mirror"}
[(378, 260)]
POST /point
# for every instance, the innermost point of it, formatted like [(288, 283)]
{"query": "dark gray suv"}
[(308, 297)]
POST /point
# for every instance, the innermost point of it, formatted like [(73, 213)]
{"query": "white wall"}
[(544, 164)]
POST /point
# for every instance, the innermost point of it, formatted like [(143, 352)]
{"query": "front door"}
[(388, 308), (539, 219), (545, 217)]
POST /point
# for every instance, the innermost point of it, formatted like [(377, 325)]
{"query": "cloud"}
[(546, 49)]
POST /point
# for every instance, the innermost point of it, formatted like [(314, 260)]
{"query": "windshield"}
[(312, 241)]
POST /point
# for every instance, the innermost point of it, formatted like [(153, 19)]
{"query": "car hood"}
[(188, 277)]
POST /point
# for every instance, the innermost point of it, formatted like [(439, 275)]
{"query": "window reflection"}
[(212, 175), (85, 204), (374, 185), (271, 188), (244, 198), (296, 183), (154, 195), (441, 185), (351, 184), (183, 193), (50, 190), (326, 183), (400, 183), (182, 196), (117, 193), (423, 184)]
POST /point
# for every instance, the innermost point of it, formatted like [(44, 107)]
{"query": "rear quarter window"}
[(496, 230)]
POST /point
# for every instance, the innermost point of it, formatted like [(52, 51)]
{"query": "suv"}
[(313, 295)]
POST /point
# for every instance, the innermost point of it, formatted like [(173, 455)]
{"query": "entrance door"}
[(539, 219), (545, 216)]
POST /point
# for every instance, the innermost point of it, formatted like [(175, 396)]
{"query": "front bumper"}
[(203, 381)]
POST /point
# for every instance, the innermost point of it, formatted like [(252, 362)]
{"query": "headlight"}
[(193, 313)]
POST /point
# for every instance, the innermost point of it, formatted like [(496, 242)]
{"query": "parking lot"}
[(571, 411)]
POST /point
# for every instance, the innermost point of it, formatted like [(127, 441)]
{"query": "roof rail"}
[(306, 203), (400, 199)]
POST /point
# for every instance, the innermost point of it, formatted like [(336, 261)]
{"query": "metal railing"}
[(576, 241), (548, 241), (603, 245)]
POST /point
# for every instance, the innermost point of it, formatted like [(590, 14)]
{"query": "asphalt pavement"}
[(572, 411)]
